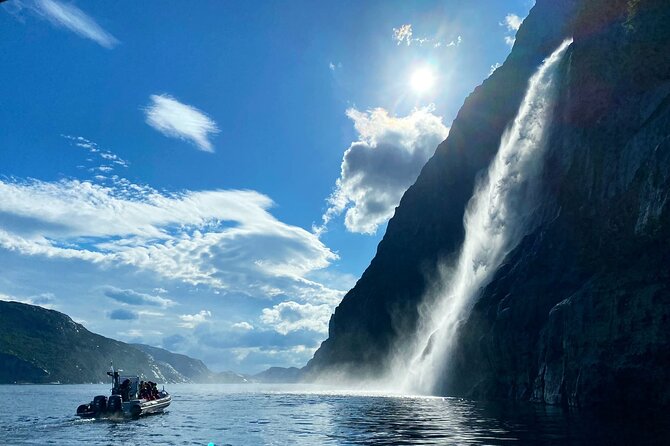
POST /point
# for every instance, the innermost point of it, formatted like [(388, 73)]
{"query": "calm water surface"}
[(303, 415)]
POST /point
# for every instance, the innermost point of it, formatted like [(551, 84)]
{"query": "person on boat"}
[(124, 389)]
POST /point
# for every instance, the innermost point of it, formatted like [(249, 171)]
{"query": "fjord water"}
[(497, 216), (304, 415)]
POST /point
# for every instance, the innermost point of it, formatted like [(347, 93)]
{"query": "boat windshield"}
[(133, 385)]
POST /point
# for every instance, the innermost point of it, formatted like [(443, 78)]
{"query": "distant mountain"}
[(194, 369), (279, 375), (44, 346)]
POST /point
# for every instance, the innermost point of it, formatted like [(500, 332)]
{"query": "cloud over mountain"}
[(378, 168)]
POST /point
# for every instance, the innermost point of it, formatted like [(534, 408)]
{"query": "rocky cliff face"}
[(579, 313)]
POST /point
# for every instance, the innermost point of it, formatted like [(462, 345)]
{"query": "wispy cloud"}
[(68, 16), (101, 161), (405, 35), (225, 239), (456, 42), (177, 120), (378, 168), (132, 297)]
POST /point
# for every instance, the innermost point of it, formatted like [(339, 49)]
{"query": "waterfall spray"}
[(497, 217)]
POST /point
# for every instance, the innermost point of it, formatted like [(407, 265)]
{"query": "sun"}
[(422, 80)]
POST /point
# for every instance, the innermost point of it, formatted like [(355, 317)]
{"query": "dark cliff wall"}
[(582, 306), (428, 224), (580, 312)]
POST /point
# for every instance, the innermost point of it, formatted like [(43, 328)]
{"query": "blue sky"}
[(212, 177)]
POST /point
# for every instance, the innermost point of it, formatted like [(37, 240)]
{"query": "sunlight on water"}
[(253, 414), (498, 215)]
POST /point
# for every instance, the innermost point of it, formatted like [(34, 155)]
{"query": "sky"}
[(211, 177)]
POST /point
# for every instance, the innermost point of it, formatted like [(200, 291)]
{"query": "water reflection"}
[(398, 420), (280, 415)]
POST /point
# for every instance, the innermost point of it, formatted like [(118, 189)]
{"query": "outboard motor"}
[(114, 403), (100, 403), (83, 409)]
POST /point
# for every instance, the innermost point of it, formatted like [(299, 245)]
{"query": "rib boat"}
[(130, 398)]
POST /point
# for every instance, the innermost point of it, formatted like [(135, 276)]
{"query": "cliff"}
[(579, 312)]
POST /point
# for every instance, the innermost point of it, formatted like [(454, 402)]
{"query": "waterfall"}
[(496, 218)]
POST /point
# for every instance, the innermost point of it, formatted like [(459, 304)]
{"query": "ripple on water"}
[(235, 415)]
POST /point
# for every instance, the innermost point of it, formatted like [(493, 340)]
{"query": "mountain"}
[(279, 375), (579, 311), (43, 346), (194, 369)]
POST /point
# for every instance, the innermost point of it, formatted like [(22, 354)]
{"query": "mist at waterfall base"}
[(251, 414), (500, 212)]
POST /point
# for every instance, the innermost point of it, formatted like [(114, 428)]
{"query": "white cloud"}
[(193, 320), (403, 34), (513, 22), (177, 120), (334, 66), (378, 168), (225, 239), (246, 326), (495, 67), (290, 316), (456, 42), (66, 15)]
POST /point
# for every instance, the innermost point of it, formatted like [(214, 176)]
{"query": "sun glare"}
[(422, 80)]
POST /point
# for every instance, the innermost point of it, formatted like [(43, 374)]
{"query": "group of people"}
[(148, 390)]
